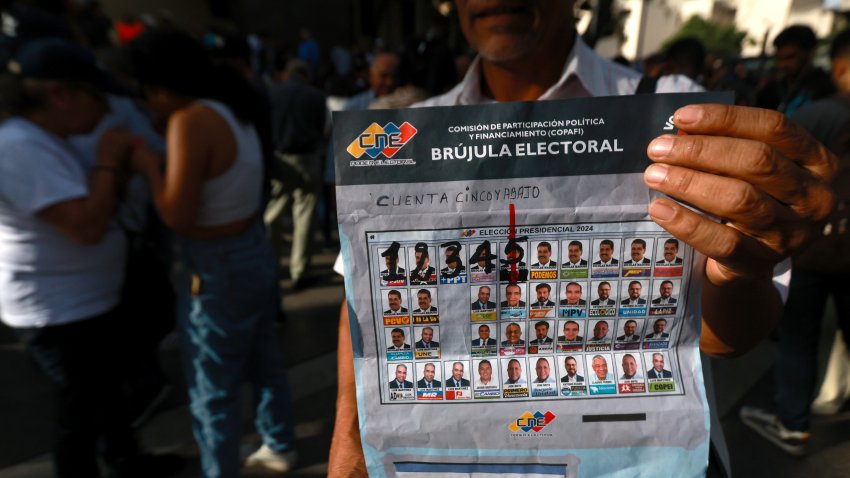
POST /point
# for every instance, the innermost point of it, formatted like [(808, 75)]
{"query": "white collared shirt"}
[(585, 74)]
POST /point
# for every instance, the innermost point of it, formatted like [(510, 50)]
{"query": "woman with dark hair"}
[(227, 290)]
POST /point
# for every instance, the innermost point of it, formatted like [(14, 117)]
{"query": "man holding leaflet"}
[(772, 174)]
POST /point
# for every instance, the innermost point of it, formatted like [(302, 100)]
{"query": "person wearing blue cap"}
[(62, 255)]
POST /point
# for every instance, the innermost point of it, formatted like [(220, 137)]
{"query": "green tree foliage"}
[(718, 39)]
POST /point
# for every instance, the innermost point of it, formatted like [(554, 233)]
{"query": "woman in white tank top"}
[(209, 195)]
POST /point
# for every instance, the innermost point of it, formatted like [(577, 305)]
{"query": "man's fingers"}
[(751, 161), (728, 198), (747, 209), (762, 125), (726, 245)]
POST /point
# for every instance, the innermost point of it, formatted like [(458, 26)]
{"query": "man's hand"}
[(766, 177)]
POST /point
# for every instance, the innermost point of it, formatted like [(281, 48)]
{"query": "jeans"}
[(799, 331), (227, 300), (85, 362)]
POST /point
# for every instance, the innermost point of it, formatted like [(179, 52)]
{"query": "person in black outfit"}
[(799, 82)]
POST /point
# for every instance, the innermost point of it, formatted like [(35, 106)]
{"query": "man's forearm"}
[(738, 315), (346, 455)]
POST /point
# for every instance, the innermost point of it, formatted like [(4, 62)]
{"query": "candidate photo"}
[(394, 303), (514, 373), (456, 379), (422, 273), (451, 260), (426, 339), (571, 332), (571, 369), (573, 293), (542, 291), (428, 380), (544, 256), (543, 371), (513, 296), (482, 261), (603, 295), (658, 370), (393, 268), (541, 333), (485, 375), (634, 293), (482, 301), (483, 339), (599, 365), (606, 254), (670, 254), (512, 268), (400, 380), (513, 335), (658, 330), (600, 332), (629, 366), (637, 256), (630, 332), (397, 340), (423, 299), (665, 294), (575, 253)]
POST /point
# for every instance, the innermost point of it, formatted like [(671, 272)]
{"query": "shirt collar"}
[(594, 74)]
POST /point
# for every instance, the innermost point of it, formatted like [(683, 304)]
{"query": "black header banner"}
[(585, 136)]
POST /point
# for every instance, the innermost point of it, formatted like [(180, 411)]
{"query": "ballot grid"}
[(625, 340)]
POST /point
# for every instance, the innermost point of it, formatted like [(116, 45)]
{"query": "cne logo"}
[(531, 422), (377, 139)]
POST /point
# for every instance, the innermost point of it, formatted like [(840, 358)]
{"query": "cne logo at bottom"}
[(528, 422)]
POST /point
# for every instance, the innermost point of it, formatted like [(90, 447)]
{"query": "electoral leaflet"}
[(513, 308)]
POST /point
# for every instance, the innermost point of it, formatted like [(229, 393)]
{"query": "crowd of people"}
[(152, 195)]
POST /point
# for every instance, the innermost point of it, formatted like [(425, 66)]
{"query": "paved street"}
[(309, 338)]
